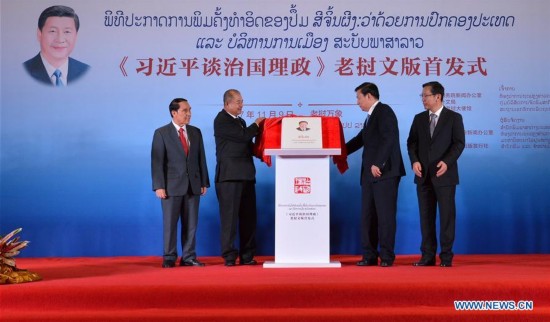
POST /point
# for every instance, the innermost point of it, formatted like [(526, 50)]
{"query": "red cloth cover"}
[(333, 138)]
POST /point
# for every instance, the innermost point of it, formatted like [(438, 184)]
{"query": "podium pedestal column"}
[(302, 212)]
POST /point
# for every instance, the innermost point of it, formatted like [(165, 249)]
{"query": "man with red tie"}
[(180, 178)]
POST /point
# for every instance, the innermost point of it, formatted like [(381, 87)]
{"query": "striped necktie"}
[(433, 122)]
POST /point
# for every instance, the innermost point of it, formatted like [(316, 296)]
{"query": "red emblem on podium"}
[(302, 185)]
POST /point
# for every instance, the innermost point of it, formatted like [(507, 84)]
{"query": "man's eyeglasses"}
[(424, 96)]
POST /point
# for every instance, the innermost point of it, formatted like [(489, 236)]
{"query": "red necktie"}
[(184, 141)]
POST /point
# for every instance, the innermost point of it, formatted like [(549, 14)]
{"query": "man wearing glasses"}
[(436, 141)]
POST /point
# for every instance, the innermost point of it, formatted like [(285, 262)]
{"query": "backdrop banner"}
[(75, 159)]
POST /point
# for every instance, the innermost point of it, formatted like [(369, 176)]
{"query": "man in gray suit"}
[(180, 177)]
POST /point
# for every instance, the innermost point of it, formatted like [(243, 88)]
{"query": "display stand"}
[(302, 208)]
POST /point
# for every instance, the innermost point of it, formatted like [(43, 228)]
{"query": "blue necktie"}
[(57, 75), (366, 121)]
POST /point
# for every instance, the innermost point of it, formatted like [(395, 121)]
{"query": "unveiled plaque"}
[(301, 133)]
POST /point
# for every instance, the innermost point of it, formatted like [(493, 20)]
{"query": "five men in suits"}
[(180, 177), (436, 141), (57, 34), (381, 171), (236, 180)]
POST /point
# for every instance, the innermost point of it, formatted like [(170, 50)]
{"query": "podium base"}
[(302, 265)]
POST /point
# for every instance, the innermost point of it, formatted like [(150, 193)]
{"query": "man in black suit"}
[(57, 34), (435, 142), (180, 177), (235, 180), (381, 171)]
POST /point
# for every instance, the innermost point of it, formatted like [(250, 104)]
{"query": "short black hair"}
[(435, 88), (58, 11), (175, 105), (368, 88)]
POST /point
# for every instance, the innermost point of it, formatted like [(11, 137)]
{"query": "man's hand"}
[(375, 171), (417, 169), (161, 193), (442, 168)]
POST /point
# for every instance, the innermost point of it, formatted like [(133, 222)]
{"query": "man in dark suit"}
[(435, 142), (57, 34), (381, 171), (180, 177), (235, 180)]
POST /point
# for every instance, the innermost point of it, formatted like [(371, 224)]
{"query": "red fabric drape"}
[(333, 137)]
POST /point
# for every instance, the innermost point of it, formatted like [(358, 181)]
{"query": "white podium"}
[(302, 208)]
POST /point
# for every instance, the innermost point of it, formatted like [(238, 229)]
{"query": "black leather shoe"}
[(446, 264), (385, 264), (425, 262), (229, 263), (250, 262), (191, 262), (369, 262), (168, 264)]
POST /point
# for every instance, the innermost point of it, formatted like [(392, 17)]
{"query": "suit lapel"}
[(425, 124), (174, 136), (372, 117), (70, 71), (39, 71), (441, 120), (191, 138)]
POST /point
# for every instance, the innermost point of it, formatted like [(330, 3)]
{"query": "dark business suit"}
[(446, 144), (37, 70), (235, 185), (380, 142), (182, 177)]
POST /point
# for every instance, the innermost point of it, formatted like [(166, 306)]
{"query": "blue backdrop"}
[(75, 162)]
